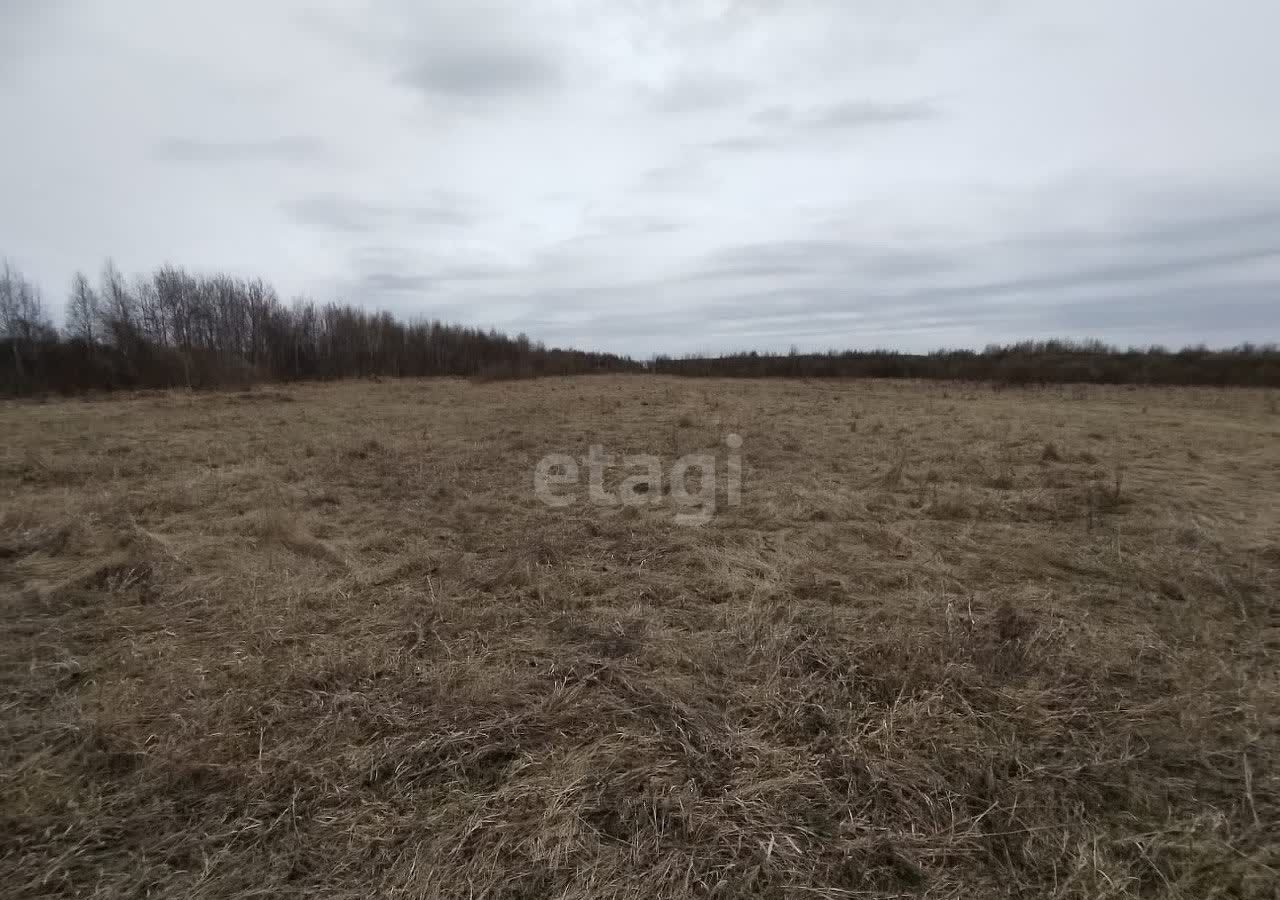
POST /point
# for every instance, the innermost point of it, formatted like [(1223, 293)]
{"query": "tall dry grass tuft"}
[(282, 527), (893, 477)]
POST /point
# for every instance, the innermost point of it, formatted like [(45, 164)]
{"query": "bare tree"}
[(22, 317), (151, 314), (118, 313), (8, 300), (83, 311)]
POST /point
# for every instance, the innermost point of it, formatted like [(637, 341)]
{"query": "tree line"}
[(174, 328), (1025, 363)]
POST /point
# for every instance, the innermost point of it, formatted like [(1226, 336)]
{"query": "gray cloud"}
[(393, 276), (482, 50), (668, 176), (23, 24), (826, 260), (848, 113), (1259, 225), (394, 282), (293, 149), (857, 114), (1052, 263), (632, 225), (774, 115), (1154, 279), (825, 320), (782, 127), (745, 143), (700, 92), (1199, 272), (481, 72), (674, 175), (822, 258), (1112, 275), (1205, 309), (1133, 315), (336, 212)]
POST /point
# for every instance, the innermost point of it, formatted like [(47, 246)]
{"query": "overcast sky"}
[(668, 175)]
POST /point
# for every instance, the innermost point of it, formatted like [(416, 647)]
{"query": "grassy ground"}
[(324, 639)]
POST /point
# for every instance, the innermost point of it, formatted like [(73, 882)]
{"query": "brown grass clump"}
[(893, 477), (279, 526), (336, 647)]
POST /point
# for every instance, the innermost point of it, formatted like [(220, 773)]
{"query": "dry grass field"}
[(324, 640)]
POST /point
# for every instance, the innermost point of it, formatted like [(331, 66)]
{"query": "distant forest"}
[(1025, 363), (172, 328)]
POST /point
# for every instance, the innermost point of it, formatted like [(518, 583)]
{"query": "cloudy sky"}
[(668, 175)]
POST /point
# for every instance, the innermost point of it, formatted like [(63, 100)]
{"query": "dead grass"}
[(326, 641)]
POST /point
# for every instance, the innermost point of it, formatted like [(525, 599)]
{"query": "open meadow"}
[(328, 640)]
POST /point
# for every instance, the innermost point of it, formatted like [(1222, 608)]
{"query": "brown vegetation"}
[(324, 640)]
